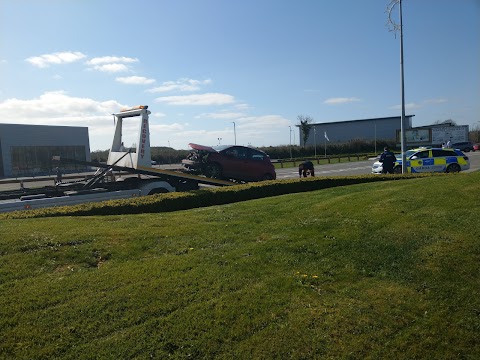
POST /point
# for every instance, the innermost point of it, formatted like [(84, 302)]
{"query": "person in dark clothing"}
[(305, 168), (388, 161), (58, 173)]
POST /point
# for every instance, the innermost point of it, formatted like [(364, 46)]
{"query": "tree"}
[(445, 122), (305, 125)]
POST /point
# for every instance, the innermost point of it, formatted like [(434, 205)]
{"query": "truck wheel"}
[(397, 170), (158, 191), (267, 177)]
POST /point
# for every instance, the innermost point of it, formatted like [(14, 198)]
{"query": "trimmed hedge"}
[(206, 197)]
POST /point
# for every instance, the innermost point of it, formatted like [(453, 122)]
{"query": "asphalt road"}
[(339, 169), (358, 168), (336, 169)]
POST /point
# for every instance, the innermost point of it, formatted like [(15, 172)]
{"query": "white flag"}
[(326, 137)]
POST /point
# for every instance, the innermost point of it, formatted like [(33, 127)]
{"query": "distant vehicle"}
[(476, 147), (235, 162), (463, 146), (433, 160)]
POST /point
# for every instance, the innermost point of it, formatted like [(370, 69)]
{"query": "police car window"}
[(423, 154), (442, 153)]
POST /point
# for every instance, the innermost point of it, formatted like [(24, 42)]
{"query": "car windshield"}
[(407, 154), (221, 147), (410, 153)]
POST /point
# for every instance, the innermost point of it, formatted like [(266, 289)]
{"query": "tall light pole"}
[(290, 142), (396, 27), (315, 139), (219, 140), (234, 132)]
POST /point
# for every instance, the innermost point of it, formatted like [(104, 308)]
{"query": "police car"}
[(429, 160)]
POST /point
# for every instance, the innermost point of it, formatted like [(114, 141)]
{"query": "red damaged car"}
[(235, 162)]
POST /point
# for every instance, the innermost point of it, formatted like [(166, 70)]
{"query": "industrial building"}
[(27, 150), (365, 129), (385, 129)]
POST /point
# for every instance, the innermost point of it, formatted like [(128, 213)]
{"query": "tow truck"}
[(144, 179)]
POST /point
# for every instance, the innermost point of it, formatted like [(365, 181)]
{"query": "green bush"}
[(206, 197)]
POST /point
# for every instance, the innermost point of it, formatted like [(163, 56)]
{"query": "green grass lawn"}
[(379, 270)]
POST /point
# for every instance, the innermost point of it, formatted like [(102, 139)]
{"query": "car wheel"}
[(453, 168), (267, 177), (214, 171), (397, 170)]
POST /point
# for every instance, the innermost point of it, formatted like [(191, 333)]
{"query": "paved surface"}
[(335, 169)]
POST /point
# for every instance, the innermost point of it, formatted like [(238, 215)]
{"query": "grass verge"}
[(365, 271)]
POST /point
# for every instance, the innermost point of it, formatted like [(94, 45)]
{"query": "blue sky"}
[(202, 65)]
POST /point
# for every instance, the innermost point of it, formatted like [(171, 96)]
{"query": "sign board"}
[(417, 136), (455, 134), (434, 135)]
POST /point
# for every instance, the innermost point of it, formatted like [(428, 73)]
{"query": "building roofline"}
[(349, 121), (57, 126)]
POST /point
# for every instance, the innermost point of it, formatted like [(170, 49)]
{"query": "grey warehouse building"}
[(27, 150), (366, 129)]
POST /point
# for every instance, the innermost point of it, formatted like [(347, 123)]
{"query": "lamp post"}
[(234, 132), (396, 27), (290, 142), (315, 139), (219, 139)]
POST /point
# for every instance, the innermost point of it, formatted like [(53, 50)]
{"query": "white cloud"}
[(252, 130), (265, 122), (242, 107), (409, 106), (198, 99), (58, 108), (111, 64), (110, 60), (342, 100), (135, 80), (435, 101), (112, 68), (57, 58), (220, 115), (166, 127), (424, 103), (54, 106), (183, 84)]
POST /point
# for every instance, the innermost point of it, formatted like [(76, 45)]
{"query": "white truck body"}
[(95, 189)]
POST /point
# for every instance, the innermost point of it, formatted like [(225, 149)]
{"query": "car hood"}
[(202, 147)]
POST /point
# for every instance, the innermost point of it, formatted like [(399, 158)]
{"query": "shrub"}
[(206, 197)]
